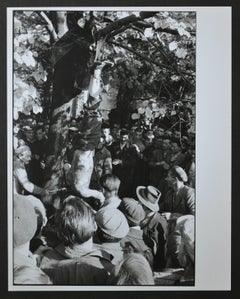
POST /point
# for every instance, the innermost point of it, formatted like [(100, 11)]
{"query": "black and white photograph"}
[(103, 143)]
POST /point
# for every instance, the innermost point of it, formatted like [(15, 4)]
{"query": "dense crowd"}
[(142, 226)]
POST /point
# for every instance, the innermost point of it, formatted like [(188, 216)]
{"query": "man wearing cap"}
[(180, 198), (112, 227), (21, 181), (133, 242), (154, 225), (25, 222)]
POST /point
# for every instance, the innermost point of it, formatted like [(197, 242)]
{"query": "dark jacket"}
[(154, 235), (134, 242), (182, 203)]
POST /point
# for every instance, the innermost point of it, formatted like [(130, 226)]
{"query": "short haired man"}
[(21, 180), (110, 186), (75, 261)]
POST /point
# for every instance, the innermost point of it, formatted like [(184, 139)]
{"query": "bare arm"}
[(21, 176)]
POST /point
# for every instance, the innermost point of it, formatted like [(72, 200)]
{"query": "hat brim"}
[(142, 198)]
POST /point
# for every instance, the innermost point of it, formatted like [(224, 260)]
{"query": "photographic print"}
[(103, 130)]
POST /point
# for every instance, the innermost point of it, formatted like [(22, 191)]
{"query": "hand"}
[(41, 249), (101, 198), (45, 195), (117, 162), (165, 165), (166, 215), (42, 165)]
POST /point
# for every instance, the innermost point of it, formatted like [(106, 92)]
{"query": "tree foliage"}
[(153, 56)]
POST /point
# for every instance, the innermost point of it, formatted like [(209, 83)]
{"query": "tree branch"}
[(171, 64), (139, 55), (144, 24), (122, 22), (49, 25)]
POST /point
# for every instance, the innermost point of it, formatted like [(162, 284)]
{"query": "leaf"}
[(15, 114), (160, 24), (28, 59), (173, 46), (28, 13), (37, 109), (31, 40), (141, 110), (18, 58), (135, 116), (182, 32), (181, 53), (148, 113), (148, 32), (175, 78)]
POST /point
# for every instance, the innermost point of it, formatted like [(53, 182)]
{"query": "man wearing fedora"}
[(179, 201), (154, 225)]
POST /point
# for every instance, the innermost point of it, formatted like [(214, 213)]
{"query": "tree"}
[(152, 56)]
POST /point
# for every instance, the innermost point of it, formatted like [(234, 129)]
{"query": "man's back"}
[(77, 268)]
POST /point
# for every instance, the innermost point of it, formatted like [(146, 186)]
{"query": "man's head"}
[(29, 133), (165, 144), (24, 154), (133, 211), (124, 136), (149, 197), (75, 221), (149, 137), (112, 225), (159, 132), (106, 131), (115, 132), (177, 177), (24, 221), (110, 184), (175, 146), (40, 133)]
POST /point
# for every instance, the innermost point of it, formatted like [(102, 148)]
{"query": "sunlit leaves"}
[(30, 40)]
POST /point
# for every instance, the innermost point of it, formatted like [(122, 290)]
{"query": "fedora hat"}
[(149, 197)]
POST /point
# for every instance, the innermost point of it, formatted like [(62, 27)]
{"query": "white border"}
[(213, 149)]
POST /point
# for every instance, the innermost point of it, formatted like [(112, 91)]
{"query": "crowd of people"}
[(142, 224)]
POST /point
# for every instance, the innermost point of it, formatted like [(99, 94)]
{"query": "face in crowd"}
[(175, 148), (106, 132), (39, 134), (124, 138), (25, 156), (115, 132), (30, 135), (172, 180), (165, 144)]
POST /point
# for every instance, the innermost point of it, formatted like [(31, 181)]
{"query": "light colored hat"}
[(180, 173), (132, 209), (112, 222), (149, 196), (24, 221)]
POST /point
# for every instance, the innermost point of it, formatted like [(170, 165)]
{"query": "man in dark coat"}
[(154, 225), (124, 158)]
